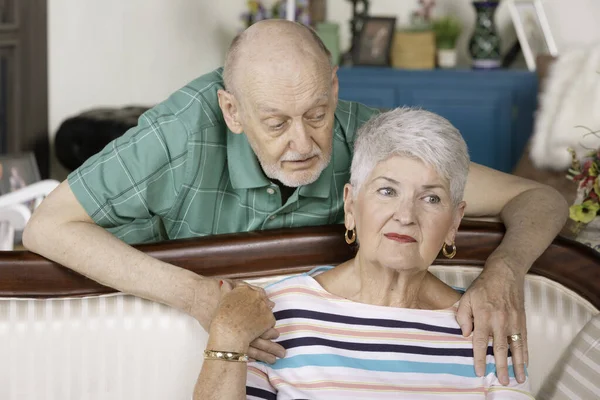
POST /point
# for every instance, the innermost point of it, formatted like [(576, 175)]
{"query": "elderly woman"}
[(379, 325)]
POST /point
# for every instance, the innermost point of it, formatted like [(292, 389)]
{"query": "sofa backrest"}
[(65, 337)]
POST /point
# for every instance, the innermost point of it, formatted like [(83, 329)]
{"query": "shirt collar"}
[(245, 171), (322, 186)]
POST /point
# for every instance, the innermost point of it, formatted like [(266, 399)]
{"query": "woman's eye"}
[(387, 191), (433, 199)]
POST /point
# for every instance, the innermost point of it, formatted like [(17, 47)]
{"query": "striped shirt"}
[(340, 349), (182, 173)]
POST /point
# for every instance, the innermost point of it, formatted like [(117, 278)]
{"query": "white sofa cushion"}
[(122, 347)]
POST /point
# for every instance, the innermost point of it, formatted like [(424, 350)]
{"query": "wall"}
[(118, 52)]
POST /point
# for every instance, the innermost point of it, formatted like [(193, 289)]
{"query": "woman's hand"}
[(243, 315)]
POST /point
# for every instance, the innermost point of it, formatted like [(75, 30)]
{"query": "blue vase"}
[(484, 45)]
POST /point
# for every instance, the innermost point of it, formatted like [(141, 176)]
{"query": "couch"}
[(63, 336)]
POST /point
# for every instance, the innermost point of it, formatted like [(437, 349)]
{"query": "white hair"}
[(414, 133)]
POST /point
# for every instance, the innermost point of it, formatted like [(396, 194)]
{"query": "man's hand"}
[(494, 306), (262, 348)]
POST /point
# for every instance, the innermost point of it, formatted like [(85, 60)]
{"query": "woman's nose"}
[(405, 213)]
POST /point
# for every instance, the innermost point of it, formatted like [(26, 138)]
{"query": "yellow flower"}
[(597, 187), (585, 212), (593, 171)]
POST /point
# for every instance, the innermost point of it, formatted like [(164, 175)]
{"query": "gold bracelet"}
[(225, 356)]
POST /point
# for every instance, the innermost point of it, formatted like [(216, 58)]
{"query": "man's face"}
[(288, 119)]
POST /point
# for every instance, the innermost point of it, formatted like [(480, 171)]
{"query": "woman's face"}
[(402, 214)]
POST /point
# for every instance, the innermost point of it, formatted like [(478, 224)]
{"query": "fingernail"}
[(521, 377)]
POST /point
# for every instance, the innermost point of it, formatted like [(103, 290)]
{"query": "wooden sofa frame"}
[(276, 252)]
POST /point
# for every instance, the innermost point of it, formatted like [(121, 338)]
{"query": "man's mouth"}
[(301, 163)]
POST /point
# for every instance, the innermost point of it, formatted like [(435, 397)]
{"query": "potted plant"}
[(447, 30)]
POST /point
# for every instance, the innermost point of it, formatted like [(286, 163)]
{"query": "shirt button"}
[(272, 217), (271, 191)]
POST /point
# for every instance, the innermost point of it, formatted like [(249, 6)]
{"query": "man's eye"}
[(387, 191), (277, 127), (318, 117), (433, 199)]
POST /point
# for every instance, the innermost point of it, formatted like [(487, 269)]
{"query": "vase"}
[(484, 45), (413, 50)]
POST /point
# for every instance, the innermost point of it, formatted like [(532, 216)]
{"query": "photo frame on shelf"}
[(374, 42), (533, 30)]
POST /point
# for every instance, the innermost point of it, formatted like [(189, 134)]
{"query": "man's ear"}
[(231, 111), (335, 85), (349, 207)]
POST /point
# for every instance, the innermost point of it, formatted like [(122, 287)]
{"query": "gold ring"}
[(514, 338)]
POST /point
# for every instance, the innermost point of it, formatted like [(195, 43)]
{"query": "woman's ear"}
[(459, 213), (231, 111), (349, 207)]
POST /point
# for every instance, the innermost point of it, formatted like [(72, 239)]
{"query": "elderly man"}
[(263, 144)]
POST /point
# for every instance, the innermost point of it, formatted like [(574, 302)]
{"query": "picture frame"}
[(17, 171), (533, 30), (374, 43)]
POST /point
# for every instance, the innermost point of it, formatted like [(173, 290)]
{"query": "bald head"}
[(267, 46)]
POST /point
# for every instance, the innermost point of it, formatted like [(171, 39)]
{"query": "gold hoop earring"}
[(449, 254), (352, 239)]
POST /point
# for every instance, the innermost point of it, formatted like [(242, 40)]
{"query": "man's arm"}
[(61, 230), (533, 215)]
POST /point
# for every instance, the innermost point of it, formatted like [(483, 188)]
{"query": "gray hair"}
[(414, 133)]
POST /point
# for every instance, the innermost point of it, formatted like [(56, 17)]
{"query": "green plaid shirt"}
[(181, 173)]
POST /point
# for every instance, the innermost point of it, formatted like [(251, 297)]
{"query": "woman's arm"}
[(222, 379), (244, 314)]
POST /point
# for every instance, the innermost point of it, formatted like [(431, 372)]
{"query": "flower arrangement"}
[(585, 174), (257, 12), (421, 18)]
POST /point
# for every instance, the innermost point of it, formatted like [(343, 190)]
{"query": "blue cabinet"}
[(494, 110)]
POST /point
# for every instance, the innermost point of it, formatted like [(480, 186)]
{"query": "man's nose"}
[(301, 141)]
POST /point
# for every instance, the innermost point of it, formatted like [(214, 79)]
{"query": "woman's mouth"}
[(400, 238)]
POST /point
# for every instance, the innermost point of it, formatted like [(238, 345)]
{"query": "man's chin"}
[(299, 178)]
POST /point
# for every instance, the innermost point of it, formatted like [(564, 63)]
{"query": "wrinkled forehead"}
[(277, 87)]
